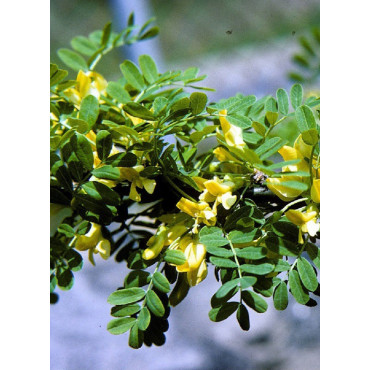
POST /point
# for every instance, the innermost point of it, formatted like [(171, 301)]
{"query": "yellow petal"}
[(299, 218), (228, 200), (284, 193), (233, 134), (155, 244), (149, 184), (216, 187), (103, 248), (90, 240), (134, 195), (194, 277), (303, 148), (315, 191), (189, 207)]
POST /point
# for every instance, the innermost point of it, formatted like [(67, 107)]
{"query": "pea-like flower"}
[(233, 134), (219, 192), (201, 211), (88, 83), (156, 243), (195, 265), (302, 152), (94, 242), (305, 220), (132, 174)]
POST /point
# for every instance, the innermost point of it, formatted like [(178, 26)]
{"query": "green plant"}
[(171, 210)]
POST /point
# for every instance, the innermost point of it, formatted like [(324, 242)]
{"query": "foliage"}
[(130, 179), (307, 59)]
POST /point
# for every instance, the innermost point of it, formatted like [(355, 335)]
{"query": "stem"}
[(292, 203), (178, 189)]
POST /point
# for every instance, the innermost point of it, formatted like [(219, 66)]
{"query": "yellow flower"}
[(94, 242), (219, 192), (133, 175), (233, 134), (302, 152), (195, 265), (305, 220), (88, 83), (223, 155), (201, 211), (315, 191), (156, 243), (276, 185)]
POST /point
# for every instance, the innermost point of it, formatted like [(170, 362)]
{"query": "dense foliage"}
[(153, 174)]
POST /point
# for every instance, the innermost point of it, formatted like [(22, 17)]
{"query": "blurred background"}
[(243, 46)]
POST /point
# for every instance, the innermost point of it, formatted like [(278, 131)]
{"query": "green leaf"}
[(148, 67), (305, 118), (154, 303), (220, 252), (65, 279), (64, 178), (251, 253), (307, 274), (222, 262), (136, 337), (102, 193), (270, 147), (67, 230), (247, 281), (122, 160), (82, 148), (310, 137), (174, 256), (271, 105), (107, 172), (254, 301), (159, 105), (89, 110), (226, 288), (161, 282), (106, 34), (281, 296), (261, 269), (239, 120), (285, 229), (281, 246), (58, 76), (143, 319), (137, 278), (126, 296), (83, 45), (127, 310), (296, 95), (296, 288), (241, 237), (283, 101), (132, 75), (223, 312), (72, 60), (104, 144), (79, 125), (120, 326), (118, 92), (296, 185), (212, 237), (138, 110), (150, 33), (281, 265), (259, 128), (242, 316), (198, 102), (314, 253)]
